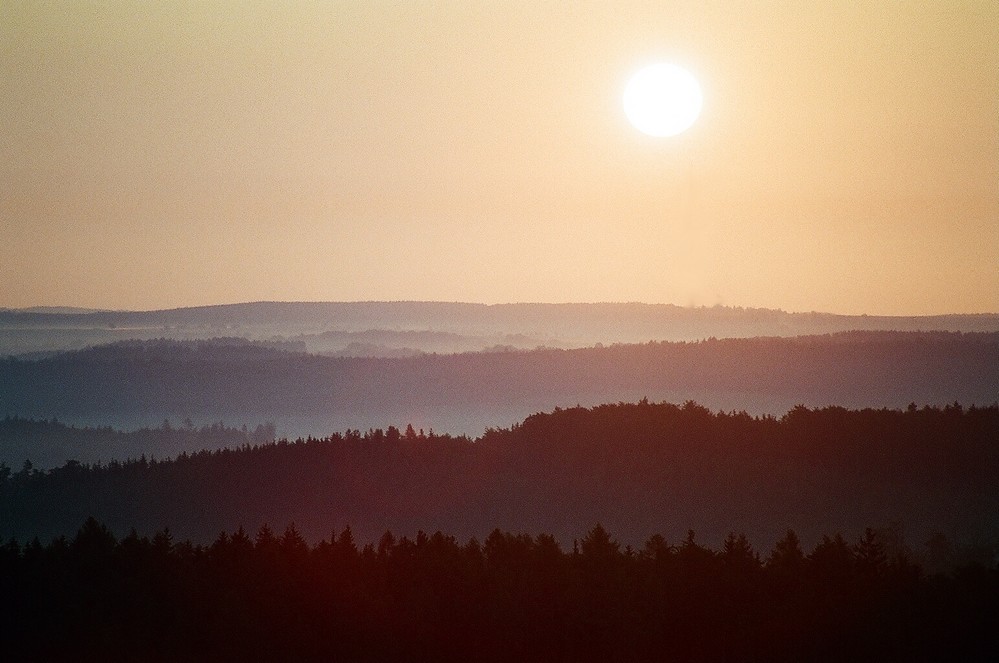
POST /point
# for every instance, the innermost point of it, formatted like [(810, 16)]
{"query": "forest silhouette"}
[(638, 468), (512, 597), (880, 522)]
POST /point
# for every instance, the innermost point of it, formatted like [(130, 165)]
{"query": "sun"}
[(663, 100)]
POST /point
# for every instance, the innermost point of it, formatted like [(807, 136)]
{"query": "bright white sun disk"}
[(663, 100)]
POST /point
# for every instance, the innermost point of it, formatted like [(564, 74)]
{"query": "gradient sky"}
[(156, 155)]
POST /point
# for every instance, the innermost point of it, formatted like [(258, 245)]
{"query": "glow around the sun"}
[(663, 100)]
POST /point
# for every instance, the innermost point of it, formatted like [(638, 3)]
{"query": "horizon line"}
[(85, 310)]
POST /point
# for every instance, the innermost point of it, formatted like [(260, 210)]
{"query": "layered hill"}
[(139, 384), (385, 328)]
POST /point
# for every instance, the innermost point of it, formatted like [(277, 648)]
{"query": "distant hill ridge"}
[(134, 383), (445, 326), (54, 310), (447, 314), (186, 348)]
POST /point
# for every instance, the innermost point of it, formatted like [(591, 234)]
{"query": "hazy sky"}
[(169, 154)]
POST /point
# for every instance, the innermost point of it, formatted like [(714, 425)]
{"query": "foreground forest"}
[(138, 384), (272, 596), (638, 468)]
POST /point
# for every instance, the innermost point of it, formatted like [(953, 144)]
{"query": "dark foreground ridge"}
[(638, 468), (510, 598)]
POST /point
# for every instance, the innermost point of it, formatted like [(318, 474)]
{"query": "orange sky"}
[(169, 154)]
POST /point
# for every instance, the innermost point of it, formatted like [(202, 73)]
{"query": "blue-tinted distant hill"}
[(470, 326), (55, 310), (141, 383)]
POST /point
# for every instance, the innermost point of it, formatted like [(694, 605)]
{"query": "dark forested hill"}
[(134, 384), (636, 468)]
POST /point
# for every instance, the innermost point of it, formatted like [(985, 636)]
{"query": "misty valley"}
[(198, 369), (406, 481)]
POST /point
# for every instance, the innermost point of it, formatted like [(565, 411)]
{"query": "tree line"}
[(636, 467), (271, 595)]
